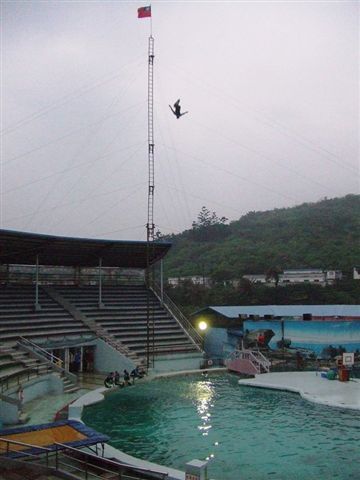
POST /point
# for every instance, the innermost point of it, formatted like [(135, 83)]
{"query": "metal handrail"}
[(107, 461), (179, 316), (22, 444), (265, 364), (255, 356), (168, 346), (4, 381), (84, 462), (8, 442), (65, 279), (10, 400), (262, 357), (45, 353)]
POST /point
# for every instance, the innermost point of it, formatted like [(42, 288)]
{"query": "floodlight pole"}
[(150, 226)]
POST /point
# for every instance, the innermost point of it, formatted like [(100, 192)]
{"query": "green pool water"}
[(246, 433)]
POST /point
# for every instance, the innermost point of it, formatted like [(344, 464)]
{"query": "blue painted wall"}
[(312, 335)]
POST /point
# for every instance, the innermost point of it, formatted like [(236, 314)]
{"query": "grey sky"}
[(272, 90)]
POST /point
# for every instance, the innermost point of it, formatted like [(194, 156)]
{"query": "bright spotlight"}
[(203, 325)]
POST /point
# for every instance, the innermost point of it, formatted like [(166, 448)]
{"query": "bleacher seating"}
[(19, 318), (124, 316), (15, 364)]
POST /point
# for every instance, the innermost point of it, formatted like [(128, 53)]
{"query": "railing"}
[(10, 400), (171, 347), (174, 310), (98, 467), (6, 450), (254, 356), (41, 351), (81, 464), (86, 279), (54, 362), (16, 378), (261, 359)]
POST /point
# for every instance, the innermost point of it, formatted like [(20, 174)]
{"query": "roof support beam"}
[(101, 305)]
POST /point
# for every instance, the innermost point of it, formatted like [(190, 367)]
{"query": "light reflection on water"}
[(245, 433), (204, 392)]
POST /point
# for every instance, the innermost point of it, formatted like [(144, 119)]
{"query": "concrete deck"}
[(311, 386)]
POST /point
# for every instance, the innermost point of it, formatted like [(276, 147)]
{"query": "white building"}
[(304, 275), (301, 275), (257, 278), (333, 275), (194, 279), (356, 273)]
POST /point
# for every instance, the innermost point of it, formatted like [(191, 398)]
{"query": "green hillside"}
[(319, 235)]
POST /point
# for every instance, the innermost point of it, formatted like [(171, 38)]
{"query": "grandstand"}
[(70, 305)]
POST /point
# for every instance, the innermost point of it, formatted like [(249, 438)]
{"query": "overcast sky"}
[(272, 90)]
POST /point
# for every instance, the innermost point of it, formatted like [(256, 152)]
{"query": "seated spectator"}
[(117, 378), (126, 377), (137, 373), (109, 380)]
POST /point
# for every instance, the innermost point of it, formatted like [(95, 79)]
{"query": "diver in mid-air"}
[(177, 109)]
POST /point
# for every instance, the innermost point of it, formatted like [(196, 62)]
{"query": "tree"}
[(208, 226), (246, 287), (273, 273), (206, 219)]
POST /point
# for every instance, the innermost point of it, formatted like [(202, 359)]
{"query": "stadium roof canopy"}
[(22, 248), (285, 310)]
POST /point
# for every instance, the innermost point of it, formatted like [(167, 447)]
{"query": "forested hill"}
[(320, 235)]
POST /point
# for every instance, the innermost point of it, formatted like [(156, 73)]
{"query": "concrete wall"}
[(9, 413), (35, 388), (218, 344), (107, 359), (176, 363), (41, 386)]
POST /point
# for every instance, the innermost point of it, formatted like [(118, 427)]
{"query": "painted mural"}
[(315, 336)]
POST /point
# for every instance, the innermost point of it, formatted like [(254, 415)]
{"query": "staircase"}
[(15, 362), (33, 361), (92, 325), (248, 362), (122, 319), (21, 363)]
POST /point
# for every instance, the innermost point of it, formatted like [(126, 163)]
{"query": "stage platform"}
[(49, 435), (311, 386)]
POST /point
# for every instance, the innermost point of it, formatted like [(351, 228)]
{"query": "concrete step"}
[(71, 389)]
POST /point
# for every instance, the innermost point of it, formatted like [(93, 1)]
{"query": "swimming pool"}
[(246, 433)]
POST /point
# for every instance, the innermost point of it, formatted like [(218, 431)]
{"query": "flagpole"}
[(150, 21)]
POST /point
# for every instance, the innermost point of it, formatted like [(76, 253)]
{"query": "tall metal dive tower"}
[(150, 226)]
